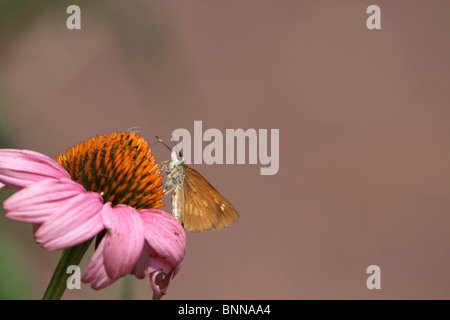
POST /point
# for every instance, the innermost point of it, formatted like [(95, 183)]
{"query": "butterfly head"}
[(176, 158)]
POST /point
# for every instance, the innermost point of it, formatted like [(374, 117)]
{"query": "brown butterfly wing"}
[(204, 207)]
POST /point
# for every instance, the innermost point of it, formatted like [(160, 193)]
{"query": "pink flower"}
[(108, 183)]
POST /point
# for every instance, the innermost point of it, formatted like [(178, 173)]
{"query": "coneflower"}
[(107, 187)]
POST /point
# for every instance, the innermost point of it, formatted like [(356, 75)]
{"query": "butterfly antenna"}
[(159, 140)]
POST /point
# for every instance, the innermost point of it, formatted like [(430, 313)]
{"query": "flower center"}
[(119, 166)]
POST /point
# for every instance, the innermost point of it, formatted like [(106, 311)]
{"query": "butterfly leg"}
[(166, 192), (164, 164), (169, 184)]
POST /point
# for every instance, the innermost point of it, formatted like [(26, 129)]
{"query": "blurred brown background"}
[(364, 135)]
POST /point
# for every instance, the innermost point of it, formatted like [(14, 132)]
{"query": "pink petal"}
[(159, 264), (165, 235), (36, 226), (124, 239), (161, 273), (78, 220), (20, 168), (38, 201), (95, 271), (156, 282), (140, 269)]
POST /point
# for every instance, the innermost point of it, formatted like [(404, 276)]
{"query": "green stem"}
[(126, 293), (58, 283)]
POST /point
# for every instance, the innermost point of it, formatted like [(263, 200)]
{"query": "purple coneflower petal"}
[(161, 273), (38, 201), (140, 269), (165, 235), (95, 272), (20, 168), (156, 282), (36, 226), (78, 220), (124, 239)]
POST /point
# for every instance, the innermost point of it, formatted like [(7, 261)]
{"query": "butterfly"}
[(196, 204)]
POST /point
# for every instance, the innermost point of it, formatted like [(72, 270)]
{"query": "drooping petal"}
[(78, 220), (140, 269), (36, 226), (159, 264), (159, 284), (20, 168), (161, 273), (95, 271), (165, 235), (124, 239), (38, 201)]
